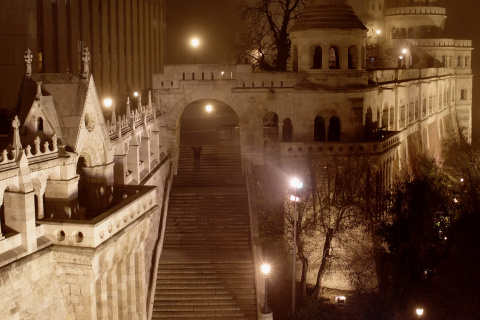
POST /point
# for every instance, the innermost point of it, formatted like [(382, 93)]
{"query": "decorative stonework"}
[(86, 60), (28, 60)]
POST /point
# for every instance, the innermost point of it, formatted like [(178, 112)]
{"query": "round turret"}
[(328, 37)]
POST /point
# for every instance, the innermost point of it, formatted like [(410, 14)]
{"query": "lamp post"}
[(378, 36), (195, 42), (296, 184), (266, 312)]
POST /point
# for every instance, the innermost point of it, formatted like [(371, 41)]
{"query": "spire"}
[(17, 144), (86, 60), (128, 108), (28, 60)]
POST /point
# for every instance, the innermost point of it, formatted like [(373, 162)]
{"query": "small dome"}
[(327, 14)]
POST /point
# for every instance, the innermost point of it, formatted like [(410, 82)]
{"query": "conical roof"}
[(327, 14)]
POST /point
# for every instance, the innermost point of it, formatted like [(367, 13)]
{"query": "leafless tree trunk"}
[(324, 265)]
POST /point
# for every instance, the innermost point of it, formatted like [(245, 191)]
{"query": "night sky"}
[(215, 23)]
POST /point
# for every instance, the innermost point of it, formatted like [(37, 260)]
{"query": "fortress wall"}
[(32, 289)]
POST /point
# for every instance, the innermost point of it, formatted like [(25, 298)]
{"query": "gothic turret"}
[(329, 38)]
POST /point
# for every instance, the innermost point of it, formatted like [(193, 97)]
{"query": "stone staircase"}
[(206, 267)]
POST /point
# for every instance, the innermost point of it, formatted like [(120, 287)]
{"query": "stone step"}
[(208, 302)]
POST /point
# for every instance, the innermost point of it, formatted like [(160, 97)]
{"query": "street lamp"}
[(265, 309), (296, 184), (419, 312), (378, 36), (195, 42)]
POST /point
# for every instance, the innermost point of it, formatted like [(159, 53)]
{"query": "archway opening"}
[(270, 129), (319, 129), (209, 122)]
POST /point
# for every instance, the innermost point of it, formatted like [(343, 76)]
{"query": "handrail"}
[(257, 251), (159, 244)]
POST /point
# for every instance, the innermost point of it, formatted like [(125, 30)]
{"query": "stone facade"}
[(337, 100), (82, 202)]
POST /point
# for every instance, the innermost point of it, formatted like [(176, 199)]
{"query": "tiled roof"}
[(327, 14)]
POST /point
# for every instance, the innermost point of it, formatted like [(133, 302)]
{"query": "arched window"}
[(410, 33), (287, 130), (403, 34), (352, 57), (467, 61), (459, 63), (317, 58), (385, 117), (295, 59), (333, 58), (463, 94), (319, 129), (39, 124), (334, 129), (431, 62), (443, 61)]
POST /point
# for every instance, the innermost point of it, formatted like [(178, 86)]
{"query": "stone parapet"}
[(91, 234)]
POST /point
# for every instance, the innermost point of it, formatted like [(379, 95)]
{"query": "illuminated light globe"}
[(195, 42), (108, 102), (379, 31), (404, 51), (209, 108), (135, 94), (296, 183), (265, 269), (419, 312)]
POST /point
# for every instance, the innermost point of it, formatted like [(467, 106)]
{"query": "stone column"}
[(133, 159), (112, 293), (101, 297), (120, 168), (140, 283), (131, 287), (145, 152), (122, 289), (40, 208), (20, 216)]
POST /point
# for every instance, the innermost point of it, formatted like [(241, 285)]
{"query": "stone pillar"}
[(120, 168), (20, 216), (155, 145), (40, 210), (133, 160), (112, 294), (145, 152), (101, 297), (1, 234), (122, 289), (131, 287), (140, 283)]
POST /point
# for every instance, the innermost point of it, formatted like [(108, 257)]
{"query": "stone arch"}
[(369, 124), (316, 56), (334, 129), (287, 130), (270, 127), (319, 129), (353, 57), (39, 124), (385, 116), (334, 57)]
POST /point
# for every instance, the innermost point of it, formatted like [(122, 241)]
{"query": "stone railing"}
[(92, 233), (441, 43), (239, 76), (9, 156), (415, 10), (339, 148), (393, 75)]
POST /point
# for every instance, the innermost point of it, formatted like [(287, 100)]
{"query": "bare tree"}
[(340, 186), (264, 41)]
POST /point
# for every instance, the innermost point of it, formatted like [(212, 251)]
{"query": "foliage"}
[(264, 40), (313, 309), (419, 219)]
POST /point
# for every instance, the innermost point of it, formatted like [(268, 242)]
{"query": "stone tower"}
[(328, 42)]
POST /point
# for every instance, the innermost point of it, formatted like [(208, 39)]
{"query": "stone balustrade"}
[(393, 75), (90, 234), (339, 148), (415, 10), (238, 76)]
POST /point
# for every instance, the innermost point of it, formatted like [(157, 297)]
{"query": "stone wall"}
[(32, 289)]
